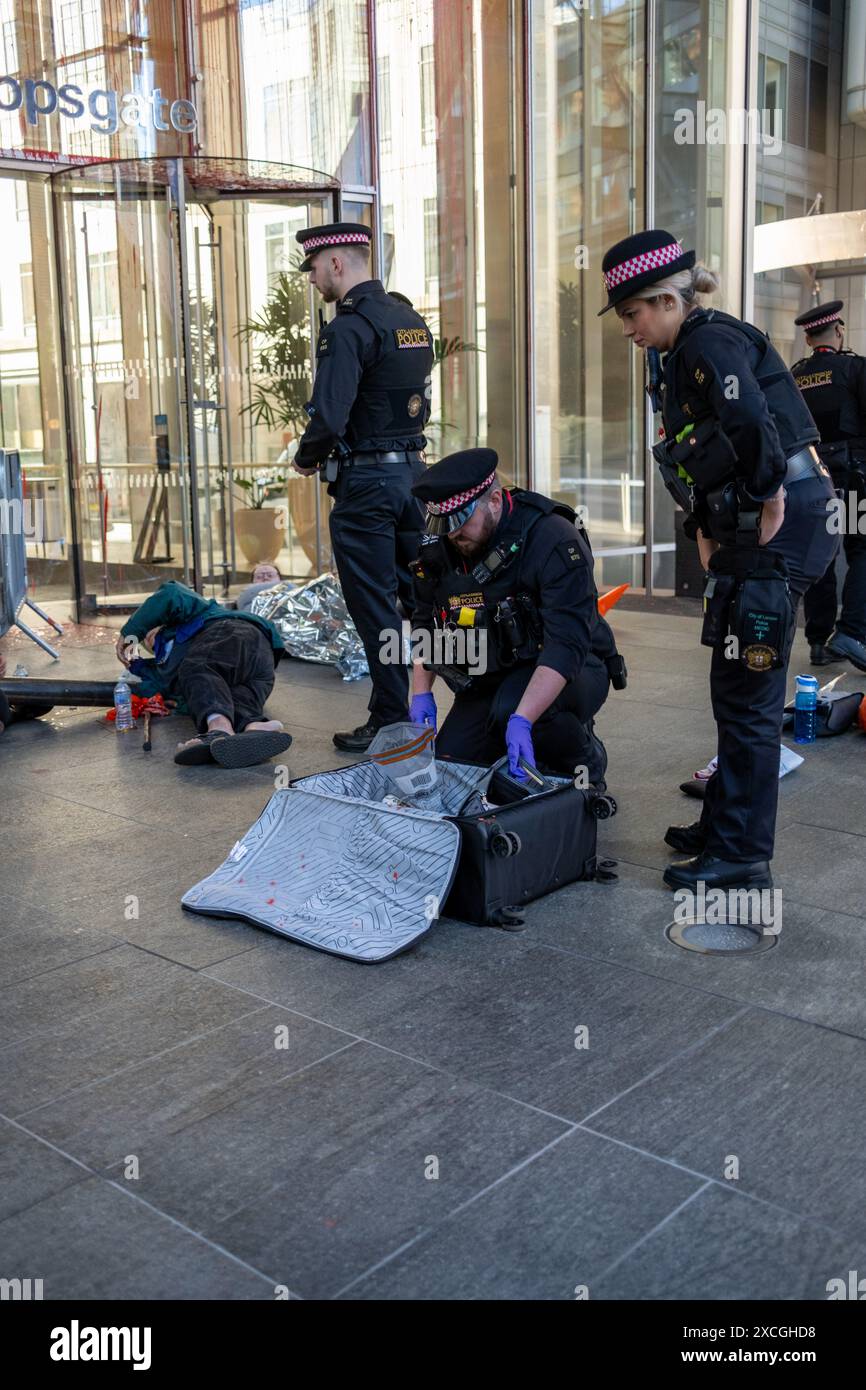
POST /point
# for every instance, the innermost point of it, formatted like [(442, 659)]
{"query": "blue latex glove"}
[(422, 710), (518, 740)]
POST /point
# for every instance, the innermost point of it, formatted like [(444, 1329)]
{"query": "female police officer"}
[(738, 454)]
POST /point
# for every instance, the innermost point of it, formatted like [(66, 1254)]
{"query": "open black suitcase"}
[(518, 852), (337, 863)]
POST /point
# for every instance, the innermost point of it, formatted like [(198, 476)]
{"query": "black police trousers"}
[(376, 526), (820, 601), (739, 813), (228, 670), (563, 738)]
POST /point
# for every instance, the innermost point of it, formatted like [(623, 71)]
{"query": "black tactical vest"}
[(832, 384), (488, 592), (392, 405), (683, 404)]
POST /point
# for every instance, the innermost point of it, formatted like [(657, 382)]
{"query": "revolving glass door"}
[(187, 358)]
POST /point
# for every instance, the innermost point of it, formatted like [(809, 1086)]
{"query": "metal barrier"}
[(13, 554)]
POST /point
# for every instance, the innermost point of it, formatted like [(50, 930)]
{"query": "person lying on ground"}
[(265, 576), (217, 664)]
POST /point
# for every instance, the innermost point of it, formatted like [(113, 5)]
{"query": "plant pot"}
[(260, 532)]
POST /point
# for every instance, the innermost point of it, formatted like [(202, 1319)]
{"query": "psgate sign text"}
[(108, 109)]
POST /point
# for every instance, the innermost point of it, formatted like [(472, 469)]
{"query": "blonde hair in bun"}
[(683, 285)]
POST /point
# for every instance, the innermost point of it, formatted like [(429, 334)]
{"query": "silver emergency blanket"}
[(314, 623), (331, 864)]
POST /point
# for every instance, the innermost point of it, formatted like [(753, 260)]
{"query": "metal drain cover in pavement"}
[(719, 938)]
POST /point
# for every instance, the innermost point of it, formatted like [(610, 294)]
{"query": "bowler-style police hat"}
[(821, 316), (453, 487), (314, 239), (641, 260)]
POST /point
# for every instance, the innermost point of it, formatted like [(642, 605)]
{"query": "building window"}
[(431, 249), (818, 107), (80, 25), (10, 46), (104, 289), (276, 251), (28, 299), (797, 99), (772, 76), (385, 103), (276, 104), (428, 95)]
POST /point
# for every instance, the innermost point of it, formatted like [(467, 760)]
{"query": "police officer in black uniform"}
[(369, 408), (516, 569), (737, 453), (833, 382)]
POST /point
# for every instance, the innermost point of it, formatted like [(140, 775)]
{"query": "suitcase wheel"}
[(504, 843), (603, 807)]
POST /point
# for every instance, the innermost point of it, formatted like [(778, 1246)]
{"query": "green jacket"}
[(175, 607)]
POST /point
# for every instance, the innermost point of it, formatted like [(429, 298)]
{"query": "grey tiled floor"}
[(429, 1130)]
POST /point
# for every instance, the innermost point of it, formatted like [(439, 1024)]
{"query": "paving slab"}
[(92, 1241), (101, 1122), (723, 1246), (547, 1232), (781, 1097), (318, 1178)]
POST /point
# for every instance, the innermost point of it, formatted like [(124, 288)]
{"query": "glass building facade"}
[(157, 157)]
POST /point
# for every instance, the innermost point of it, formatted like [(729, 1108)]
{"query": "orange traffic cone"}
[(612, 596)]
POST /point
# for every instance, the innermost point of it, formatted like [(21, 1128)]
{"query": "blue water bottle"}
[(805, 709)]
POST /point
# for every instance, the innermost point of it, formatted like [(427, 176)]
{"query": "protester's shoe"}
[(250, 748), (821, 655), (688, 839), (197, 754), (844, 647), (359, 740), (718, 873)]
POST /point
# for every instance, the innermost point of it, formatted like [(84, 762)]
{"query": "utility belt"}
[(343, 457), (843, 457), (747, 595)]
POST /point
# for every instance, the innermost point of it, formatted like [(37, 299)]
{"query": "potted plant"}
[(260, 530), (280, 341)]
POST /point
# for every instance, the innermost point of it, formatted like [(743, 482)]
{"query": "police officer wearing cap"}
[(833, 382), (515, 569), (369, 407), (737, 454)]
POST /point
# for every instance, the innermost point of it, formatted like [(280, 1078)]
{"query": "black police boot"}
[(821, 655), (843, 647), (688, 839), (359, 740), (717, 873)]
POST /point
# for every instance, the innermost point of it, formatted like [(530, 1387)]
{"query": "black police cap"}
[(821, 316), (452, 488), (315, 239), (641, 260)]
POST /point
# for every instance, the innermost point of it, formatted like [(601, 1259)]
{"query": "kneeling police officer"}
[(833, 382), (738, 455), (514, 568)]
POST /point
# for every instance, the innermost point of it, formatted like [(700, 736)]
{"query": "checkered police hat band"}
[(816, 323), (338, 239), (459, 499), (637, 265)]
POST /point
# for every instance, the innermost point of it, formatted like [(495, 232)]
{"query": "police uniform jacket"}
[(373, 362), (725, 379), (834, 386), (552, 565)]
